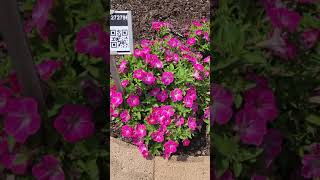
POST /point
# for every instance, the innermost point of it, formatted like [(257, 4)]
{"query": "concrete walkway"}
[(127, 163)]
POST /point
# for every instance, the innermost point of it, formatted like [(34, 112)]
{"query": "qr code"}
[(119, 38)]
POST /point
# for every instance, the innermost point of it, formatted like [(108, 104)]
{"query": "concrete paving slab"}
[(177, 168), (127, 163)]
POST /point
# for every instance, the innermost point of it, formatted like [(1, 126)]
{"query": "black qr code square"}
[(119, 38)]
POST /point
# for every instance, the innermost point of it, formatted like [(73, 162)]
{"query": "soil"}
[(179, 13)]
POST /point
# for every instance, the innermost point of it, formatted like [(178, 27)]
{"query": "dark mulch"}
[(179, 13)]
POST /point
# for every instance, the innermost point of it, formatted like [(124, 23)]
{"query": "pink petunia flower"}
[(140, 131), (167, 78), (40, 15), (16, 162), (125, 83), (92, 40), (176, 95), (47, 68), (251, 129), (198, 32), (122, 66), (227, 175), (198, 67), (149, 78), (179, 121), (154, 91), (310, 38), (126, 131), (162, 96), (196, 23), (5, 95), (191, 41), (192, 124), (170, 147), (207, 59), (158, 25), (48, 168), (222, 104), (22, 118), (158, 136), (284, 18), (188, 101), (143, 149), (310, 162), (138, 74), (261, 100), (133, 100), (74, 122), (186, 142), (174, 42), (125, 116), (116, 98)]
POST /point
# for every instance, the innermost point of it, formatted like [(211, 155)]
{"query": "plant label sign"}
[(121, 38)]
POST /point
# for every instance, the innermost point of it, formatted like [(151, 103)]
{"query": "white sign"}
[(121, 38)]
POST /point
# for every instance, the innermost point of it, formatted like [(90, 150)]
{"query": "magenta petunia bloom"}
[(158, 25), (188, 101), (123, 66), (125, 116), (222, 104), (47, 68), (311, 167), (138, 74), (158, 136), (311, 161), (162, 96), (140, 131), (272, 145), (167, 78), (116, 98), (310, 38), (262, 100), (5, 95), (196, 23), (149, 78), (154, 92), (40, 13), (192, 124), (191, 41), (22, 118), (125, 83), (74, 122), (126, 131), (174, 42), (280, 45), (16, 162), (143, 149), (206, 60), (48, 169), (198, 32), (250, 129), (198, 67), (284, 18), (176, 95), (179, 121), (227, 175), (155, 63), (133, 100), (186, 142), (170, 147), (92, 40)]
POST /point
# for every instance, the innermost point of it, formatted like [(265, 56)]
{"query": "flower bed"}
[(166, 91), (68, 139), (266, 119)]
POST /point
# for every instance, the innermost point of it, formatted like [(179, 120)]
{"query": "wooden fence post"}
[(115, 73), (13, 33)]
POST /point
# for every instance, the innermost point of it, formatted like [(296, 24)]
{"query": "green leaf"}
[(237, 168), (225, 146), (92, 169), (254, 58), (314, 119)]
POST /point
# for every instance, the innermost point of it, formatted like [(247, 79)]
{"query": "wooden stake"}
[(13, 33), (115, 74)]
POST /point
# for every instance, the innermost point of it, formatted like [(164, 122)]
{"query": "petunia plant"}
[(68, 41), (166, 90), (265, 93)]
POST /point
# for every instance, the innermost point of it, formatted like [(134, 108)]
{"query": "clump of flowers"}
[(163, 101)]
